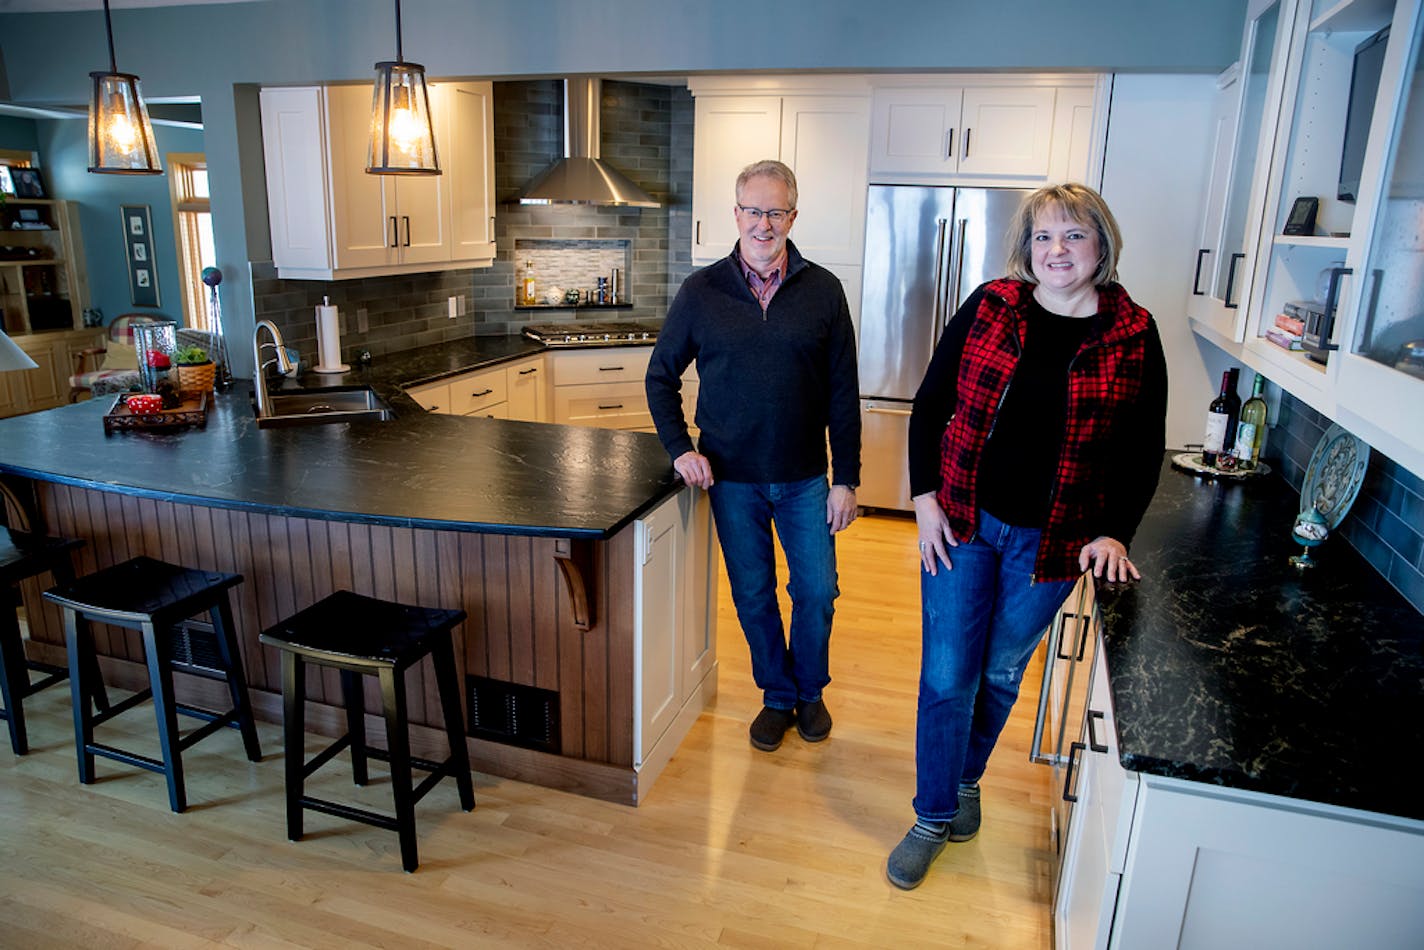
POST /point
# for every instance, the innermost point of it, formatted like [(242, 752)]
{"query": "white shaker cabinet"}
[(331, 220), (820, 128), (675, 649)]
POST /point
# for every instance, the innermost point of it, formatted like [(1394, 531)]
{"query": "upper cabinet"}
[(982, 130), (820, 128), (1247, 102), (331, 220), (1320, 287)]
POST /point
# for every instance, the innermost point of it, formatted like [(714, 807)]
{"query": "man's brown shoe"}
[(813, 721), (770, 726)]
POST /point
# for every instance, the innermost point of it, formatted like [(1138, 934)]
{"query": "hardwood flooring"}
[(734, 847)]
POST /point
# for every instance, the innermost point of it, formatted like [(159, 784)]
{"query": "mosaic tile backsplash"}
[(1386, 523)]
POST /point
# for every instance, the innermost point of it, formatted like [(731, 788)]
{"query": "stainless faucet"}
[(284, 362)]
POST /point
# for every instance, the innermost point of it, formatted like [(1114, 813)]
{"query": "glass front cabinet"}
[(1327, 299)]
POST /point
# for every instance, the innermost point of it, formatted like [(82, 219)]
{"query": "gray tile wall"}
[(646, 134), (1386, 523)]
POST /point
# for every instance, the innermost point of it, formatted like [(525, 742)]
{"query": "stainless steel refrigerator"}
[(926, 249)]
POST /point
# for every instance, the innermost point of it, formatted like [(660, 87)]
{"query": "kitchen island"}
[(1242, 779), (586, 568)]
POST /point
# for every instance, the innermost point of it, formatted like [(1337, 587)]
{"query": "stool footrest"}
[(215, 721), (438, 770), (121, 707), (122, 755), (326, 755), (388, 822)]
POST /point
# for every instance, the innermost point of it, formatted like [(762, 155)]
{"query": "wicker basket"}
[(195, 377)]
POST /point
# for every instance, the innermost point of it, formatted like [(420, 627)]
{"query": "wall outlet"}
[(453, 307), (363, 323)]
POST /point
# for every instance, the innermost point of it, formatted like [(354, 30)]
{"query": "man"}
[(775, 350)]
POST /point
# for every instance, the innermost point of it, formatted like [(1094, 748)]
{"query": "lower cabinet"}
[(55, 353), (509, 391), (1160, 862), (675, 647), (604, 388)]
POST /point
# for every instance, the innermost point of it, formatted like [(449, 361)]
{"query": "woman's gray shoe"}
[(912, 857), (965, 823)]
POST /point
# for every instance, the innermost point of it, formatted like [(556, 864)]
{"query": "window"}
[(193, 228)]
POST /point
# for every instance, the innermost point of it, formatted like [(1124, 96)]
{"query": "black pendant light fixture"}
[(120, 134), (402, 136)]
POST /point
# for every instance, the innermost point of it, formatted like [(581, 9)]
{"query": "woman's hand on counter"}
[(1107, 557), (936, 538)]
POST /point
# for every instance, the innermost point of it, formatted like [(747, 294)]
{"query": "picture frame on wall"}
[(28, 183), (138, 241), (7, 183)]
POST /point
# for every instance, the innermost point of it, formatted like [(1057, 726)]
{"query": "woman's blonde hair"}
[(1077, 202)]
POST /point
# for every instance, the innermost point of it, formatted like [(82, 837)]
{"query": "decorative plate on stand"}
[(1334, 475)]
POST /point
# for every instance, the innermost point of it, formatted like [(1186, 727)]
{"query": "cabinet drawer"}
[(615, 406), (470, 394), (432, 398), (611, 365)]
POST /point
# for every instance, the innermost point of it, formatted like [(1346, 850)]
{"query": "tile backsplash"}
[(1386, 523), (646, 134)]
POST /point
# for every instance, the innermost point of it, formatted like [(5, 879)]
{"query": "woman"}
[(1035, 444)]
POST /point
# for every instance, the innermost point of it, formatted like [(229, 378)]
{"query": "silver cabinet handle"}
[(1040, 720)]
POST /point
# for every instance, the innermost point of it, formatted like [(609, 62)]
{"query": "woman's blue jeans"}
[(744, 513), (981, 622)]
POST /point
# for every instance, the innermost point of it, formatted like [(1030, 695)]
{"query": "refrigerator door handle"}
[(941, 225), (956, 266), (886, 410)]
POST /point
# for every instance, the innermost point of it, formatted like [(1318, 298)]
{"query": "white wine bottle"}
[(1251, 428)]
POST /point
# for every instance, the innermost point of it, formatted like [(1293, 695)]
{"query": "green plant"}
[(190, 356)]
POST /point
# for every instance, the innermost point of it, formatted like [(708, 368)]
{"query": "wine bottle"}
[(1251, 429), (1221, 421)]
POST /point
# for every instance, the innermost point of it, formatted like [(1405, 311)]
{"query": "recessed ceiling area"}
[(65, 6)]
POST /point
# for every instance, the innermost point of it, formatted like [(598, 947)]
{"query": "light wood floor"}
[(734, 847)]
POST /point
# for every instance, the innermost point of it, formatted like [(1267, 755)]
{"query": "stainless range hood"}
[(581, 177)]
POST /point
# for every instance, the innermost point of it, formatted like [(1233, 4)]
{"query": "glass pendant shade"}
[(120, 134), (402, 135)]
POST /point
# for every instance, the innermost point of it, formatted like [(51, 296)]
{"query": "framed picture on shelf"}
[(28, 183), (143, 279), (7, 183)]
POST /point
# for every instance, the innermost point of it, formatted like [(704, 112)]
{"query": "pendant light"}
[(402, 136), (120, 133)]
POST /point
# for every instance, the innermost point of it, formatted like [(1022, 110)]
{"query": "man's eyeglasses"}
[(775, 215)]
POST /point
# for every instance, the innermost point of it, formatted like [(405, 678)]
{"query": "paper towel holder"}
[(328, 340)]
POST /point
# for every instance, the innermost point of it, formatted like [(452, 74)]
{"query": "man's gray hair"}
[(769, 168)]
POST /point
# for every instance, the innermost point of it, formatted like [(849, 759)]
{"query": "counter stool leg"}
[(63, 573), (78, 639), (353, 697), (165, 711), (446, 680), (398, 743), (294, 738), (221, 616), (14, 678)]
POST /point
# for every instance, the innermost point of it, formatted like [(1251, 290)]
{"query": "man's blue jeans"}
[(744, 513), (981, 622)]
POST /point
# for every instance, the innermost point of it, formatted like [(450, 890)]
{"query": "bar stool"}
[(24, 555), (157, 599), (360, 635)]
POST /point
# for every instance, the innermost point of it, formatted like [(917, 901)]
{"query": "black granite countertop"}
[(1230, 666), (417, 470)]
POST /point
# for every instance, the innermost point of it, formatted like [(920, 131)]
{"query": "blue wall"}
[(18, 134), (220, 52), (62, 145)]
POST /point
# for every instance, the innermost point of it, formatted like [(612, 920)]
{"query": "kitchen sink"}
[(323, 406)]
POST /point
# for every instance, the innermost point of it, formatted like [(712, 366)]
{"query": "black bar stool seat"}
[(357, 636), (24, 555), (159, 600)]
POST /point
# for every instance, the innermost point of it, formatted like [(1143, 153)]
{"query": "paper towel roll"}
[(328, 340)]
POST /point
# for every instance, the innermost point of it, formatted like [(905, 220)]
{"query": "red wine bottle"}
[(1221, 418)]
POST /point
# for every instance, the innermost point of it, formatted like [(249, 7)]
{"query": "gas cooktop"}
[(591, 334)]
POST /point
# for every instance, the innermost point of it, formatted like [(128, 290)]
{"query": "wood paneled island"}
[(587, 569)]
